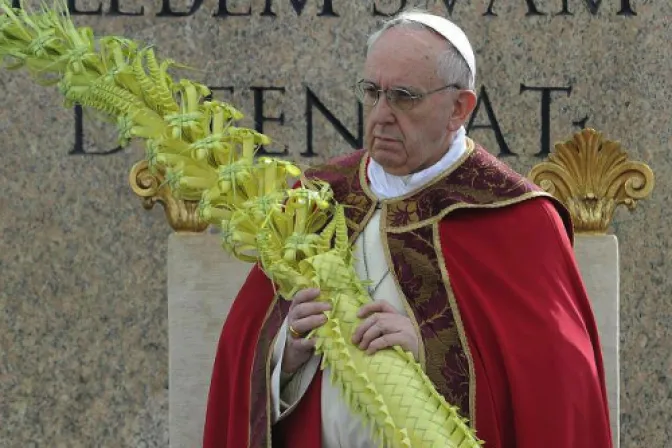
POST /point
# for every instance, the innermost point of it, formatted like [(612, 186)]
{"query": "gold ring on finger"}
[(294, 333)]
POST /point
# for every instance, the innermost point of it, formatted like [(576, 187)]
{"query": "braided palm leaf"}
[(298, 235)]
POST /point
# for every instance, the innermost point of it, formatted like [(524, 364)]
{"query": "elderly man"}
[(471, 270)]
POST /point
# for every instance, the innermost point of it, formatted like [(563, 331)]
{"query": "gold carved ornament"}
[(592, 176), (182, 215)]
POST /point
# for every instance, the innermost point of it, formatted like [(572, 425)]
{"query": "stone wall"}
[(83, 321)]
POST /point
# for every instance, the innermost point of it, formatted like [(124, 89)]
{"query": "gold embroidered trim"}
[(269, 358), (367, 190), (357, 230), (268, 379), (461, 205), (402, 296), (458, 322)]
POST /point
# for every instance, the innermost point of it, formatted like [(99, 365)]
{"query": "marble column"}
[(202, 283), (598, 259)]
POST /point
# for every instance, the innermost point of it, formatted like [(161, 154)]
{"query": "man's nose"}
[(382, 111)]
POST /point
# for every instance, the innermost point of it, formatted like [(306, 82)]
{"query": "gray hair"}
[(451, 65)]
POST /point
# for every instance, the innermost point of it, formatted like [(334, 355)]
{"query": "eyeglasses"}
[(399, 98)]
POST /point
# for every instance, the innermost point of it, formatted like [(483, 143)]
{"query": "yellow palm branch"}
[(298, 235)]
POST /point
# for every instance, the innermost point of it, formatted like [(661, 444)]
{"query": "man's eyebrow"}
[(410, 89), (394, 86)]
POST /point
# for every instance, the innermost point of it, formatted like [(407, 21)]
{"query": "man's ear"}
[(464, 105)]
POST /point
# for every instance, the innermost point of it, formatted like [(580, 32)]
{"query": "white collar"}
[(385, 185)]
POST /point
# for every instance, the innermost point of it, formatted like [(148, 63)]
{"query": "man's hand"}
[(384, 327), (304, 315)]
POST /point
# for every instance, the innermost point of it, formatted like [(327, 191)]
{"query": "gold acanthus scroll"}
[(183, 216), (592, 176)]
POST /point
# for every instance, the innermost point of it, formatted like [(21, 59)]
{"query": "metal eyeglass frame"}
[(389, 94)]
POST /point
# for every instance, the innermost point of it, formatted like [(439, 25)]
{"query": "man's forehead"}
[(404, 57)]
